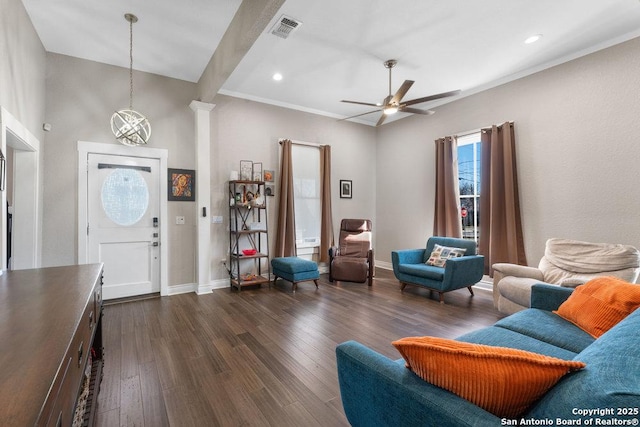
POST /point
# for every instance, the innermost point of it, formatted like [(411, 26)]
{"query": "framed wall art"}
[(246, 170), (269, 175), (182, 185), (269, 190), (345, 189), (257, 172)]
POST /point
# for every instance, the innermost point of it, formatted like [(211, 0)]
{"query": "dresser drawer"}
[(97, 301), (54, 412), (84, 335)]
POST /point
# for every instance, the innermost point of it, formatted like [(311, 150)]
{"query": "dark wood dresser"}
[(50, 345)]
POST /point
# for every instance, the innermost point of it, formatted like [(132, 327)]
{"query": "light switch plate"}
[(180, 220), (216, 219)]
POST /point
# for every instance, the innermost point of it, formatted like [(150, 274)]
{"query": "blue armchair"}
[(409, 267)]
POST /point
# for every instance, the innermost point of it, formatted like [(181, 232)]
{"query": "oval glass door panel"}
[(125, 196)]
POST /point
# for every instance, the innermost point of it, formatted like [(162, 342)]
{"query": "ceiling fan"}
[(393, 103)]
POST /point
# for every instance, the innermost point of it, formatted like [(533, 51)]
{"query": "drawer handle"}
[(90, 319), (80, 354)]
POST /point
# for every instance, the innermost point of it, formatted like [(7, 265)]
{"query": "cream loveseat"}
[(566, 263)]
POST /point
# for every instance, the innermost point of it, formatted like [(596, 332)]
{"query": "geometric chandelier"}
[(129, 126)]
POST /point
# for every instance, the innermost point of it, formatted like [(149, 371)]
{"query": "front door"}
[(123, 216)]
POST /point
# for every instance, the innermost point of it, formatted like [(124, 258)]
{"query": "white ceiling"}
[(338, 51)]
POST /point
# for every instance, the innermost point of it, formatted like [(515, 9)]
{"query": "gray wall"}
[(576, 127), (81, 97), (22, 67), (22, 79), (246, 130), (578, 147)]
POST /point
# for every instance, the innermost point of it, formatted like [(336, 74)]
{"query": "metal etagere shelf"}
[(248, 234)]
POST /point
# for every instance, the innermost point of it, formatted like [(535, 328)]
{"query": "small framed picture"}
[(257, 171), (182, 185), (345, 189), (269, 190), (268, 175), (246, 170)]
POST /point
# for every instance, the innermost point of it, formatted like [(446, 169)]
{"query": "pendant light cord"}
[(131, 64), (129, 126)]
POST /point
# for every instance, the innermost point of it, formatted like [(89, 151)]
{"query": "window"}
[(125, 196), (469, 180), (306, 193)]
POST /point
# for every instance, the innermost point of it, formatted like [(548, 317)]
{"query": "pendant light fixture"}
[(129, 126)]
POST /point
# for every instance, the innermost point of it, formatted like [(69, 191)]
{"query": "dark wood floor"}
[(264, 356)]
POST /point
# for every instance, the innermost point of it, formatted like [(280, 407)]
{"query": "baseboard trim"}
[(485, 284), (181, 289), (220, 284), (384, 265)]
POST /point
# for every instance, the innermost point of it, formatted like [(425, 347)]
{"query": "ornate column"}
[(203, 194)]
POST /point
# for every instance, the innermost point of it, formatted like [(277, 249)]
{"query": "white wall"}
[(578, 148), (247, 130)]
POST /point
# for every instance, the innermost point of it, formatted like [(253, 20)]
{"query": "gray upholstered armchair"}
[(352, 259), (567, 263), (462, 270)]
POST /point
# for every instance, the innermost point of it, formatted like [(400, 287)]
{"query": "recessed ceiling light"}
[(277, 77), (532, 39)]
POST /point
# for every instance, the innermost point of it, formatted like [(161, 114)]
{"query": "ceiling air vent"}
[(285, 26)]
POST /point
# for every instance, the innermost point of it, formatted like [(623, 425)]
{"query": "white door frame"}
[(26, 250), (84, 148)]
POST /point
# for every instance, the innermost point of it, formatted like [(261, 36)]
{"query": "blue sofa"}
[(409, 267), (378, 391)]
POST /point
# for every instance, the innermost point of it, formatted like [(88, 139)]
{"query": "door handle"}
[(155, 244)]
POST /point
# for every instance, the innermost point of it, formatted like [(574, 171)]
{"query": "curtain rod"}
[(308, 144), (488, 128), (469, 132)]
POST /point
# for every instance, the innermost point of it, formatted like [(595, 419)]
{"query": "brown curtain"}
[(501, 238), (326, 223), (447, 221), (286, 227)]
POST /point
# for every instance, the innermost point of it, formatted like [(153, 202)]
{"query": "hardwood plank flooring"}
[(263, 357)]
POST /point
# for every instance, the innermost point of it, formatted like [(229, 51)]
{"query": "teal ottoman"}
[(294, 270)]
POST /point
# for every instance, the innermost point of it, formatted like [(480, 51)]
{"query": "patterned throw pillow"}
[(600, 304), (441, 254), (503, 381)]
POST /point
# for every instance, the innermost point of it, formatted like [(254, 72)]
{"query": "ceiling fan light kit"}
[(393, 103), (390, 109), (129, 126)]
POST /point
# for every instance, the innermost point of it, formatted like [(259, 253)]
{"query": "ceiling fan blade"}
[(431, 97), (416, 111), (401, 92), (358, 115), (381, 119), (360, 103)]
